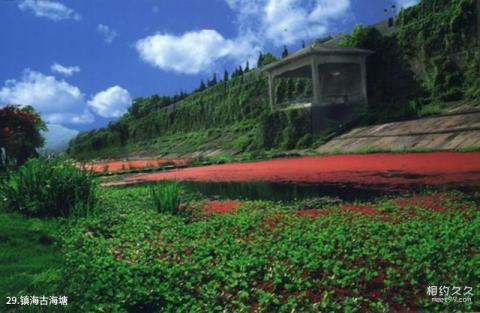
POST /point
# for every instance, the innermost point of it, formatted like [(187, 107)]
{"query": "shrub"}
[(304, 142), (441, 36), (20, 134), (166, 197), (47, 187)]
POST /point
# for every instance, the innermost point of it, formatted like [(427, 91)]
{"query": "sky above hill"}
[(80, 62)]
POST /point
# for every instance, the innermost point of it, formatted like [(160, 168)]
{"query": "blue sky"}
[(80, 62)]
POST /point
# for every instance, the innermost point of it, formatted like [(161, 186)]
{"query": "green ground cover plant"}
[(48, 187), (271, 257)]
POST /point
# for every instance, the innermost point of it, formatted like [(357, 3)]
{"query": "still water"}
[(287, 191)]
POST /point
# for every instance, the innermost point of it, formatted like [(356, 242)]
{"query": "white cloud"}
[(53, 10), (260, 22), (56, 100), (112, 102), (195, 51), (406, 3), (108, 34), (288, 21), (64, 70)]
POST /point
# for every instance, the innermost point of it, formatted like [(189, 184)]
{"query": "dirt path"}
[(438, 168)]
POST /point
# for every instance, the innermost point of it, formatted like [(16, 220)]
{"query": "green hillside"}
[(227, 116), (432, 57)]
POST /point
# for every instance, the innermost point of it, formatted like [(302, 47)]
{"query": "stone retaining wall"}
[(449, 132)]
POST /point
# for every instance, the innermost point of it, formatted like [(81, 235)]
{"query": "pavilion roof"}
[(319, 49)]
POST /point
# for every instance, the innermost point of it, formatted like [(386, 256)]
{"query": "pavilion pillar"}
[(271, 91), (315, 83), (363, 75)]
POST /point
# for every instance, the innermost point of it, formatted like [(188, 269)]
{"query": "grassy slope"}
[(29, 260), (229, 140), (225, 117)]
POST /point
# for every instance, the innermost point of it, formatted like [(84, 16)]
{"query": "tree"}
[(225, 76), (238, 72), (247, 67), (260, 60), (135, 108), (264, 59), (285, 52), (121, 128), (202, 86), (20, 134), (155, 101), (183, 94), (213, 81)]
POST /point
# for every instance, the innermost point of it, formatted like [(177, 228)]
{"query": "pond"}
[(295, 191)]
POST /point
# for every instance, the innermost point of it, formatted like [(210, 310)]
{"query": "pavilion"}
[(338, 73)]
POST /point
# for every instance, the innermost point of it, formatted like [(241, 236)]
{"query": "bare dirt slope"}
[(451, 131)]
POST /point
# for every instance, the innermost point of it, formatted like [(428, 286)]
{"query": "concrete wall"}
[(460, 131)]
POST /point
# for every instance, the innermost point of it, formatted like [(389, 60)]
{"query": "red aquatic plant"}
[(221, 207)]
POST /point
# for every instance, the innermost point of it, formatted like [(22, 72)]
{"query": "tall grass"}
[(166, 197), (48, 187)]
